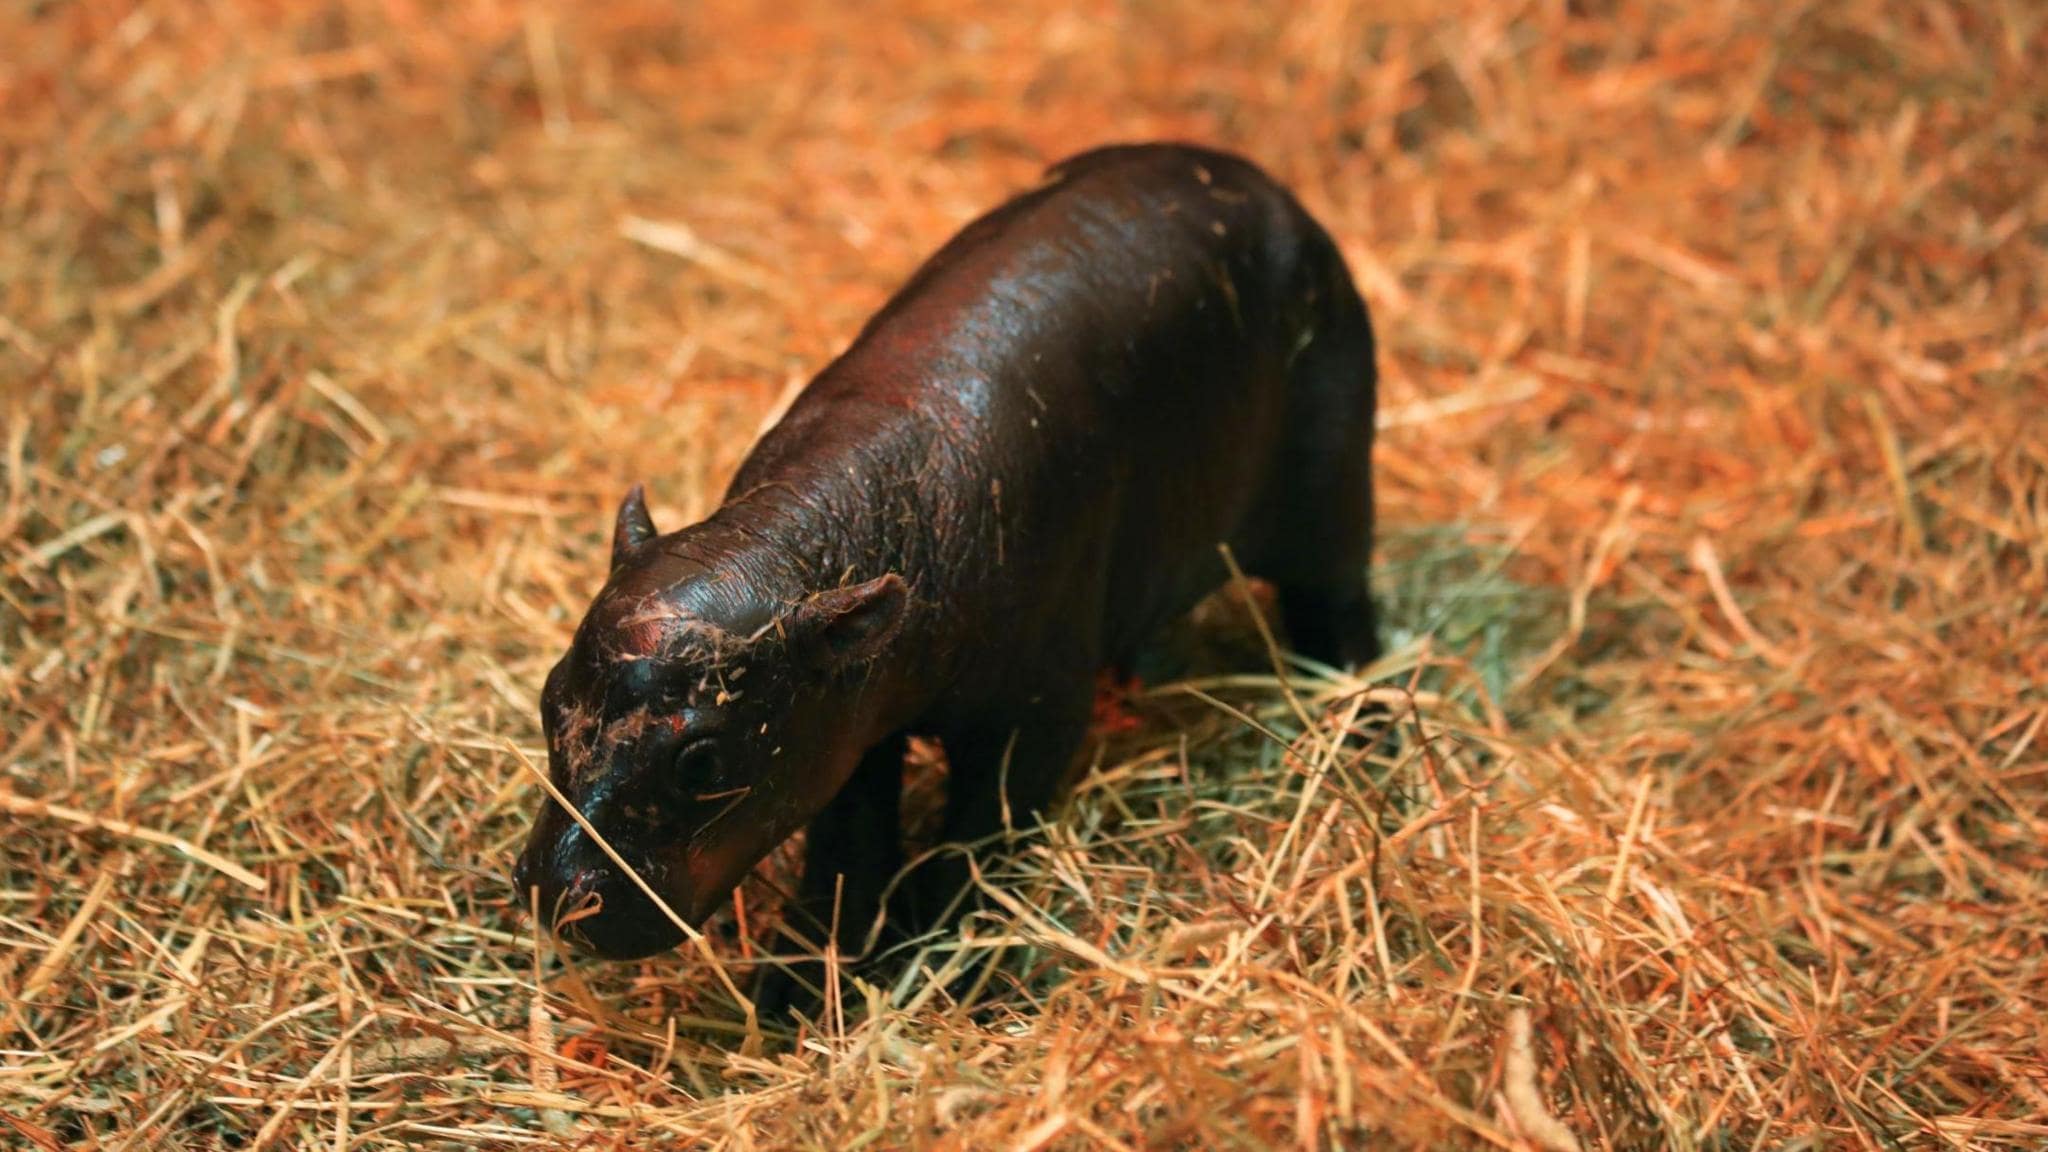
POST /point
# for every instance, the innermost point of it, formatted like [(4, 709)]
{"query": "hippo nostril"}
[(585, 884), (579, 898)]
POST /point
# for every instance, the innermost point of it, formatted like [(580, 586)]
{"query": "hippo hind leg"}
[(1316, 535)]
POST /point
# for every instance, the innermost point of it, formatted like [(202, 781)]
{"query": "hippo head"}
[(707, 708)]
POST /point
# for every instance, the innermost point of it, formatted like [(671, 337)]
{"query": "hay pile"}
[(1715, 498)]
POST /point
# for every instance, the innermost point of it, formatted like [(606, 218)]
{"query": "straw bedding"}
[(1714, 493)]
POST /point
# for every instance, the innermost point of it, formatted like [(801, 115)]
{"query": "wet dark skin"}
[(1018, 472)]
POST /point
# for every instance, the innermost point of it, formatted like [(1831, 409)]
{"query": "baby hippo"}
[(1024, 465)]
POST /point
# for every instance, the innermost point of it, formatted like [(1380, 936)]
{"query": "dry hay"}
[(1716, 541)]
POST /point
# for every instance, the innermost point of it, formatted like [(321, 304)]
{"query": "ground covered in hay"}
[(1715, 494)]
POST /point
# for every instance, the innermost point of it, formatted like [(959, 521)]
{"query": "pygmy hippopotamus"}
[(1022, 467)]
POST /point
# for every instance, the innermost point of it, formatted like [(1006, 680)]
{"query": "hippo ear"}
[(635, 527), (852, 624)]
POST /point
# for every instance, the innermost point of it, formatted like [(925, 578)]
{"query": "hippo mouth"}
[(598, 908), (606, 915), (592, 904)]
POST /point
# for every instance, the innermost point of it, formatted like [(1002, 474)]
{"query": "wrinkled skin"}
[(1019, 471)]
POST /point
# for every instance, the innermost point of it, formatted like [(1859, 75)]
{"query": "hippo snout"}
[(592, 905), (525, 876)]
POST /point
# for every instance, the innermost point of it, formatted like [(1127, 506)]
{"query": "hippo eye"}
[(695, 763)]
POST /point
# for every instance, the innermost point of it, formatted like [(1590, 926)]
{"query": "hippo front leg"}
[(1004, 771), (851, 851)]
